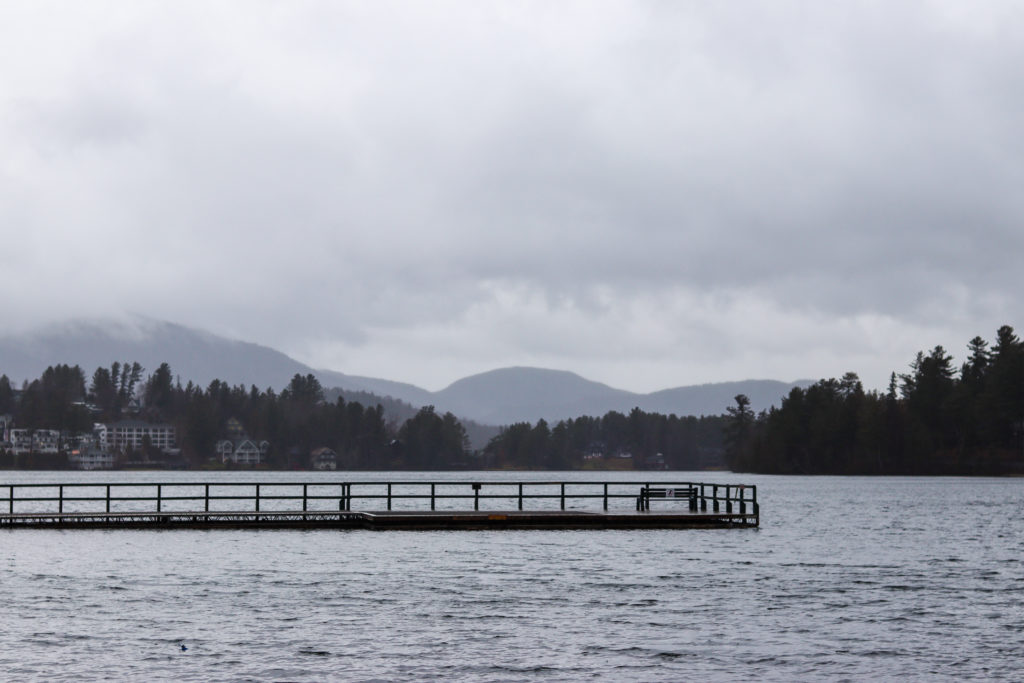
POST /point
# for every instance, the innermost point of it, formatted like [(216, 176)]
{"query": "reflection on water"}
[(847, 578)]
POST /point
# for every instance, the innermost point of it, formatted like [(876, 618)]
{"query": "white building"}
[(21, 441), (91, 459), (46, 441), (324, 459), (120, 436), (242, 451)]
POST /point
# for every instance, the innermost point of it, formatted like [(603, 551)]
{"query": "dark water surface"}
[(847, 578)]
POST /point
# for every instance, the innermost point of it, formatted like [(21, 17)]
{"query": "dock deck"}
[(622, 505)]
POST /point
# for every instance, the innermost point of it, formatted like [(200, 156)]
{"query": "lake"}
[(847, 578)]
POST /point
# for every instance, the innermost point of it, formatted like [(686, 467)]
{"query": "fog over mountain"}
[(645, 193), (497, 397)]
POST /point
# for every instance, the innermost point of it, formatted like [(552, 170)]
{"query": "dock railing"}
[(612, 496)]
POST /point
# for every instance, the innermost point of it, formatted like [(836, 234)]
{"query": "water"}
[(847, 578)]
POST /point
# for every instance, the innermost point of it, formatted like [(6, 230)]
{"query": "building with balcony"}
[(242, 451)]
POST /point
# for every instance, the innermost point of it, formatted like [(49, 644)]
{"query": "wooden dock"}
[(407, 505)]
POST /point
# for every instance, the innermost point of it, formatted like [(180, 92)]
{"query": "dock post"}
[(304, 493), (476, 496), (606, 497), (432, 508), (753, 500), (206, 499), (743, 503), (341, 498), (563, 496), (257, 497), (520, 496), (348, 497), (10, 500), (703, 500), (389, 496), (714, 499), (693, 498), (728, 499), (108, 497), (60, 500), (159, 495)]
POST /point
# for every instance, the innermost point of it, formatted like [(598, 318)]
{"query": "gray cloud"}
[(650, 193)]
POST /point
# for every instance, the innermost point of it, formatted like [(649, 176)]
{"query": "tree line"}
[(300, 419), (648, 440), (294, 421), (934, 419)]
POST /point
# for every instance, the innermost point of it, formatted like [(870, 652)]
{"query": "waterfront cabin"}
[(324, 459)]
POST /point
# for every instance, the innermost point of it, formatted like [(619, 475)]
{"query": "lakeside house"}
[(324, 459), (91, 457), (242, 451)]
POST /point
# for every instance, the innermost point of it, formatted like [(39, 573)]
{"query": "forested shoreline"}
[(299, 420), (934, 419)]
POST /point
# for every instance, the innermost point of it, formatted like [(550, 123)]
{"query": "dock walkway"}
[(438, 505)]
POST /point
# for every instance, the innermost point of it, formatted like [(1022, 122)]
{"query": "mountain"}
[(498, 397), (192, 354), (528, 394)]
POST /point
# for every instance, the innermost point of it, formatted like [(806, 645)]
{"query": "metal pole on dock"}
[(728, 499), (389, 496), (432, 508), (60, 499), (159, 495), (108, 497), (520, 496), (714, 499), (206, 498), (563, 496), (606, 497), (304, 492), (703, 500), (257, 497), (10, 500)]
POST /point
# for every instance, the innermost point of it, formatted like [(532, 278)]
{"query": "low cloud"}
[(650, 194)]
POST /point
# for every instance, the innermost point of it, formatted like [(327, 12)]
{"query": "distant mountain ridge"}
[(497, 397)]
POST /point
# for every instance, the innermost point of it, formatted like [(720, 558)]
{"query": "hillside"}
[(498, 397)]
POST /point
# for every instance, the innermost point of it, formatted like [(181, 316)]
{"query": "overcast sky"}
[(650, 194)]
